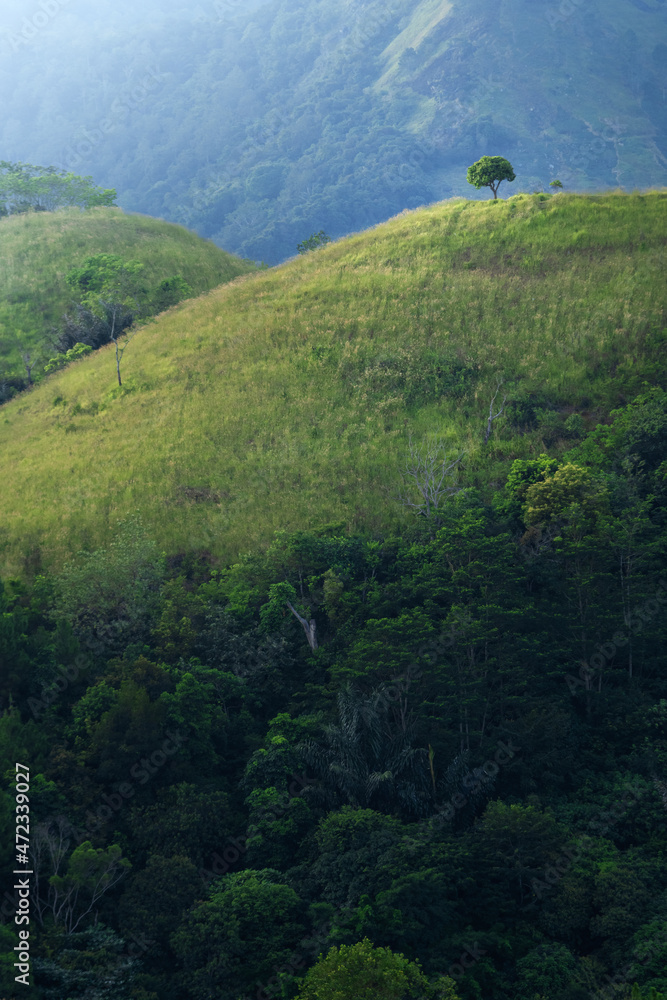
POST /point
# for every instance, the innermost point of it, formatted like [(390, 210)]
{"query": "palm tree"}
[(366, 762)]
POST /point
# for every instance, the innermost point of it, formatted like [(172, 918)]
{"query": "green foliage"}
[(250, 924), (93, 963), (155, 897), (24, 188), (61, 360), (365, 972), (522, 475), (104, 274), (170, 291), (314, 242), (550, 970), (553, 497), (90, 873), (367, 760), (277, 821), (107, 595), (490, 171)]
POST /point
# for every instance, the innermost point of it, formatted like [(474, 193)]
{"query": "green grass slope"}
[(38, 249), (286, 399)]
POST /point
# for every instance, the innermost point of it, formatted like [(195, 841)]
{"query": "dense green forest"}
[(468, 769), (257, 124), (334, 648)]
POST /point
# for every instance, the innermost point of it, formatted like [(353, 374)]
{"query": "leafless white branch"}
[(427, 469)]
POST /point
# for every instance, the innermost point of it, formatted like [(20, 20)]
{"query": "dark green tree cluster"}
[(458, 791), (25, 188)]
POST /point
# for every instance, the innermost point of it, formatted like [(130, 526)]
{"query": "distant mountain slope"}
[(286, 399), (258, 127), (38, 249)]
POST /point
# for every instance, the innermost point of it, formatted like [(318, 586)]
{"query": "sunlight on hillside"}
[(424, 19), (285, 399)]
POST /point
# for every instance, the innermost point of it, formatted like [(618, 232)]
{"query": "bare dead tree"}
[(115, 318), (428, 469), (29, 363), (309, 627), (70, 892), (494, 416), (28, 358)]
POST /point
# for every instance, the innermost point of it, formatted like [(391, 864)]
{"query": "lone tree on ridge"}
[(489, 172)]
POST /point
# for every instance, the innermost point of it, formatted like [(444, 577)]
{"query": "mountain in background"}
[(257, 124)]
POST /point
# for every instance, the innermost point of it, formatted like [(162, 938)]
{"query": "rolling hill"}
[(38, 249), (259, 124), (286, 399)]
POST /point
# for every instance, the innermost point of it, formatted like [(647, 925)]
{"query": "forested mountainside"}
[(257, 124), (333, 641)]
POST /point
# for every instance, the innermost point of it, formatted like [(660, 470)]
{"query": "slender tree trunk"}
[(117, 362), (309, 627)]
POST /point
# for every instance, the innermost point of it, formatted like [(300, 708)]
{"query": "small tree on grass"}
[(490, 171), (29, 358), (110, 290), (170, 292), (556, 184)]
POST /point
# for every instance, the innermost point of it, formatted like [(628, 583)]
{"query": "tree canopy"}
[(489, 172), (24, 187)]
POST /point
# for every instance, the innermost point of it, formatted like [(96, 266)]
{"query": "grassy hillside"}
[(286, 399), (38, 249)]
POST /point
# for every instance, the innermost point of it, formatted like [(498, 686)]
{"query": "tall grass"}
[(285, 399)]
